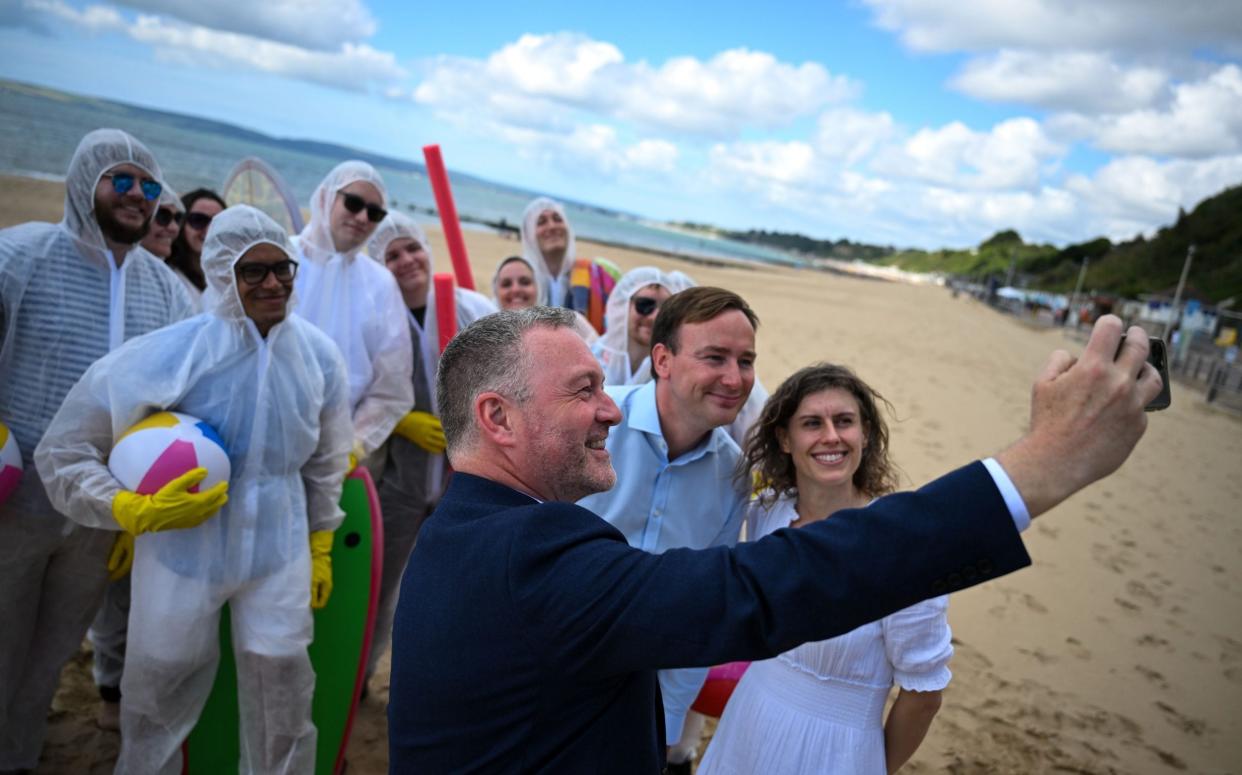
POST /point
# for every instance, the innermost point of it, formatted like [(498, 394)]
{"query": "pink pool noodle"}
[(446, 308), (448, 216)]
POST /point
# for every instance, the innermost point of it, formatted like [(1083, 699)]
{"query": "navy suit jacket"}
[(528, 634)]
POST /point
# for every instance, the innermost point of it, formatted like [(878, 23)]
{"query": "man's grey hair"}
[(488, 356)]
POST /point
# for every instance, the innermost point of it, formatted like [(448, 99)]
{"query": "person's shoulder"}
[(319, 343), (472, 305), (623, 394), (20, 244)]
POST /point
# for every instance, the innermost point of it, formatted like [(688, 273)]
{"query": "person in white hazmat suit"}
[(274, 388), (624, 349), (413, 473), (356, 302), (548, 245), (69, 293)]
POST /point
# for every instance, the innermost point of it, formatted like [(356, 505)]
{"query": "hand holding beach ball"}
[(175, 472), (10, 463)]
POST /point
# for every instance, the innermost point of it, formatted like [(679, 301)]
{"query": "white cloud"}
[(1203, 120), (849, 135), (323, 25), (568, 72), (1134, 194), (1089, 82), (1013, 154), (353, 67), (1135, 25)]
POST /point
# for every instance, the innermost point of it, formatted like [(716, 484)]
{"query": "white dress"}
[(819, 707)]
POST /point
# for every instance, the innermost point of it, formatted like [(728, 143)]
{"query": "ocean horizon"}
[(41, 128)]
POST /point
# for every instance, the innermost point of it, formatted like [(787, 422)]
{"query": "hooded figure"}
[(357, 304), (274, 389), (553, 282), (613, 349), (526, 294), (68, 295), (413, 474)]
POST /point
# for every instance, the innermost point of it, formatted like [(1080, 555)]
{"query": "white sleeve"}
[(391, 393), (323, 475), (918, 643)]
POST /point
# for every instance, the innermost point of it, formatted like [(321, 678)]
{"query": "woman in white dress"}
[(819, 446)]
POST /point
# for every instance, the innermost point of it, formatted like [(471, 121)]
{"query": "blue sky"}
[(907, 122)]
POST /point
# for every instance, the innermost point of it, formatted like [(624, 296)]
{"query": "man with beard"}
[(69, 293), (531, 632)]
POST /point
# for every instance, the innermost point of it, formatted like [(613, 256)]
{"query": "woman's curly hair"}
[(768, 467)]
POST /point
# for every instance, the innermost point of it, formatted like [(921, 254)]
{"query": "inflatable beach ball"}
[(10, 463), (164, 446)]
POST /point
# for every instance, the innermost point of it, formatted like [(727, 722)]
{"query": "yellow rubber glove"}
[(173, 507), (423, 429), (321, 567), (122, 557), (355, 455)]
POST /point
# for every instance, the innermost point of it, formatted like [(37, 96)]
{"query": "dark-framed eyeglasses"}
[(122, 182), (255, 273), (645, 305), (166, 215), (355, 203), (199, 221)]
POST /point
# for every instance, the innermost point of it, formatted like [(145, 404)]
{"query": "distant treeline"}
[(1138, 266), (798, 243)]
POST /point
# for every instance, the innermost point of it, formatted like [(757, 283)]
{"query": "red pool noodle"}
[(446, 308), (448, 216)]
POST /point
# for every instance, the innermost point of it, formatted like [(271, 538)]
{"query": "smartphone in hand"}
[(1158, 357)]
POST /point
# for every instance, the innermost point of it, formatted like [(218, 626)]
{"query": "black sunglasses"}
[(198, 221), (166, 215), (645, 305), (255, 273), (122, 182), (355, 203)]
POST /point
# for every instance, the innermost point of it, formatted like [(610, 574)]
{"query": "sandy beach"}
[(1115, 653)]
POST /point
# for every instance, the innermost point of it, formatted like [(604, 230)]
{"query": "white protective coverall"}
[(612, 348), (413, 478), (64, 302), (281, 407), (358, 305), (553, 290)]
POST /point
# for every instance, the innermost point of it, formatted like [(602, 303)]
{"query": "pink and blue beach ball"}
[(164, 446)]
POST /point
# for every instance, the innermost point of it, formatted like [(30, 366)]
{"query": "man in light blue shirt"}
[(674, 458)]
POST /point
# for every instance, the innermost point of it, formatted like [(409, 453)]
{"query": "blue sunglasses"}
[(122, 182)]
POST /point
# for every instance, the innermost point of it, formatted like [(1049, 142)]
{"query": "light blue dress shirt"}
[(661, 504)]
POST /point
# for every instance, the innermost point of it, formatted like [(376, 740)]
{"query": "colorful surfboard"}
[(338, 653)]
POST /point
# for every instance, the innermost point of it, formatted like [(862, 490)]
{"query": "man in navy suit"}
[(528, 632)]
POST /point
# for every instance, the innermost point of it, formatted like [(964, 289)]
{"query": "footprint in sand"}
[(1127, 605), (1034, 605), (1191, 726), (1154, 641), (1152, 676), (1077, 650), (1141, 591)]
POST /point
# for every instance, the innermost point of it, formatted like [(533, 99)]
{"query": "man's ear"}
[(494, 417), (660, 359)]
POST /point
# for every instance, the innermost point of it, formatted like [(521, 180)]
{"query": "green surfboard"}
[(338, 652)]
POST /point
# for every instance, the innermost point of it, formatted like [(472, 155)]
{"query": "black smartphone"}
[(1158, 357)]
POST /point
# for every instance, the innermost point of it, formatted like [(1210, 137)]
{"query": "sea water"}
[(40, 128)]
